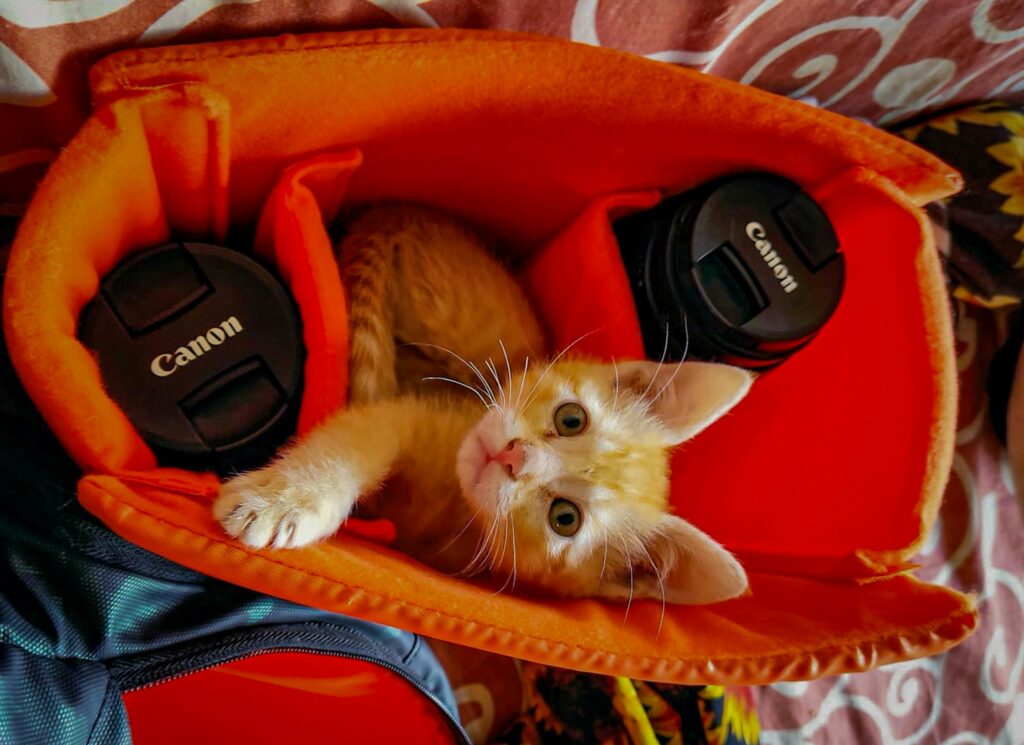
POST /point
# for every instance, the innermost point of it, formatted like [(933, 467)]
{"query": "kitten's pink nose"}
[(512, 457)]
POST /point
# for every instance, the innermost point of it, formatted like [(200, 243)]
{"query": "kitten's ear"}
[(686, 396), (694, 568)]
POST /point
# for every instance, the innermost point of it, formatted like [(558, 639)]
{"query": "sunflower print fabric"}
[(984, 253), (562, 707)]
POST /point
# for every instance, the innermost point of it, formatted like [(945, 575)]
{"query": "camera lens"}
[(201, 347), (745, 269)]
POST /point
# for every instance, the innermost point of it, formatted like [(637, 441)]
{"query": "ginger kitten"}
[(548, 476)]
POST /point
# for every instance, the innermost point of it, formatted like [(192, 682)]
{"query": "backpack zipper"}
[(453, 721)]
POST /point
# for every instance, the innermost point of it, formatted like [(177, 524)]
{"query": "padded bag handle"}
[(536, 139)]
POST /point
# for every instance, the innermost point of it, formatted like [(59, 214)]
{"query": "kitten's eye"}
[(570, 419), (564, 517)]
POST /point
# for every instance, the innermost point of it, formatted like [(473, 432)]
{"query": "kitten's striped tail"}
[(366, 262)]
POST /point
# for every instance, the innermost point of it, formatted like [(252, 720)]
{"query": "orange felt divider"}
[(50, 282), (291, 235), (599, 321), (188, 137), (824, 480)]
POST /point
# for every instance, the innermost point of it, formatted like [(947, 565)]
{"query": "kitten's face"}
[(574, 479)]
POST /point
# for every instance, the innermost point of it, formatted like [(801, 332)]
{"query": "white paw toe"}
[(262, 509)]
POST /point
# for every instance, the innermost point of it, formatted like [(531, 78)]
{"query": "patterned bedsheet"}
[(883, 60)]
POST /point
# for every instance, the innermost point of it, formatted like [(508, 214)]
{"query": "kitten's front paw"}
[(264, 508)]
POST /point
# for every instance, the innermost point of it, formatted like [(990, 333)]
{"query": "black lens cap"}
[(745, 269), (201, 347)]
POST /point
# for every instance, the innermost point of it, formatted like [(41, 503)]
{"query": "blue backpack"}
[(86, 616)]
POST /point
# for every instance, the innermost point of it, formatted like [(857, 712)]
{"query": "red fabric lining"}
[(284, 697)]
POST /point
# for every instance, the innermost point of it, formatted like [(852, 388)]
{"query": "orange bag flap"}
[(787, 628)]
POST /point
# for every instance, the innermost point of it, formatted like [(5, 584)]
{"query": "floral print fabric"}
[(984, 252), (566, 708)]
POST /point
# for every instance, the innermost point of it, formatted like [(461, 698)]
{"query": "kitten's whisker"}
[(468, 573), (667, 383), (476, 565), (461, 385), (615, 401), (511, 575), (604, 561), (515, 564), (502, 588), (458, 535), (508, 366), (629, 563), (489, 366), (661, 362), (559, 356), (487, 384), (495, 559), (661, 582), (493, 370), (482, 550), (504, 541), (522, 384), (686, 337), (479, 542), (473, 368), (489, 547), (686, 348)]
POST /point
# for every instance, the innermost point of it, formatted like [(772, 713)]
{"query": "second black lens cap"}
[(745, 269)]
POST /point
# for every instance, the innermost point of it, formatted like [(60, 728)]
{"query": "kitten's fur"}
[(469, 477)]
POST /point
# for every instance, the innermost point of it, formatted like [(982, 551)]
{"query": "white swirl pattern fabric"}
[(883, 60)]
